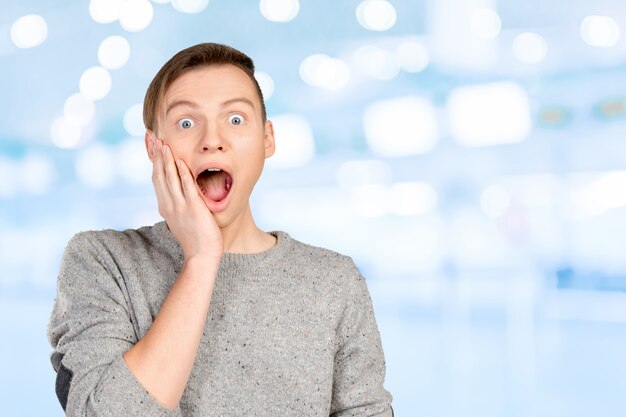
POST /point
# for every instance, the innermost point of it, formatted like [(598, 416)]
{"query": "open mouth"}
[(215, 184)]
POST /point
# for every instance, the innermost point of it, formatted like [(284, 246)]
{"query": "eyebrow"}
[(238, 100), (193, 105), (179, 103)]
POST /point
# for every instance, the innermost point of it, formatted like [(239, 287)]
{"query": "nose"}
[(212, 140)]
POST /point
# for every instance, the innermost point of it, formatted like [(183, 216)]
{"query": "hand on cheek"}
[(181, 205)]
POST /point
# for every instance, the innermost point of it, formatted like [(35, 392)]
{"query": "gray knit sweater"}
[(290, 331)]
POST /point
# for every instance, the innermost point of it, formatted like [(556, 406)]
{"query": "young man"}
[(204, 314)]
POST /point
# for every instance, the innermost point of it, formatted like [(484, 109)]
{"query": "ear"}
[(268, 140), (149, 140)]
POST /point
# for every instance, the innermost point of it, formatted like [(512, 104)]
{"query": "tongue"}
[(214, 185)]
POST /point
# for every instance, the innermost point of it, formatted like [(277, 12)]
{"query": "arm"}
[(359, 371), (90, 328), (101, 368), (162, 360)]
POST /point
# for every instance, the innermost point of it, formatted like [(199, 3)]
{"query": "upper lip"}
[(210, 165)]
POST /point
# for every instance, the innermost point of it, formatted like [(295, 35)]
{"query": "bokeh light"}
[(132, 162), (279, 10), (600, 31), (66, 132), (376, 62), (105, 11), (489, 114), (320, 70), (530, 48), (485, 23), (136, 15), (400, 126), (113, 52), (190, 6), (79, 109), (133, 120), (29, 31), (412, 56), (295, 145), (95, 83), (378, 15)]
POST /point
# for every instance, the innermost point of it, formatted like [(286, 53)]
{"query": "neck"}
[(243, 236)]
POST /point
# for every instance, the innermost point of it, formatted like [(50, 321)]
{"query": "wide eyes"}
[(236, 119), (185, 123)]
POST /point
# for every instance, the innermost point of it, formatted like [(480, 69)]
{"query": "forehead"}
[(215, 83)]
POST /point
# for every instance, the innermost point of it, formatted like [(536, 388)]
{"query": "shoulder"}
[(106, 243), (323, 262), (334, 273), (318, 255)]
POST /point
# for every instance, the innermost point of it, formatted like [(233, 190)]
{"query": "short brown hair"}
[(186, 60)]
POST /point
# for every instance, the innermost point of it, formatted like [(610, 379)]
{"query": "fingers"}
[(191, 189), (187, 183), (166, 180), (171, 175), (174, 182), (158, 179)]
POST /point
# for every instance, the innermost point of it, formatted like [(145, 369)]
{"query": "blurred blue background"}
[(468, 154)]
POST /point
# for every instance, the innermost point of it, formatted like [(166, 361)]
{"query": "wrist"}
[(205, 262)]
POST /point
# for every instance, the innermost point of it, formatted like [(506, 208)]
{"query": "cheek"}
[(250, 148), (178, 150), (249, 157), (178, 140)]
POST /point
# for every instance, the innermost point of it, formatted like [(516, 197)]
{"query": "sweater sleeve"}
[(359, 369), (90, 328)]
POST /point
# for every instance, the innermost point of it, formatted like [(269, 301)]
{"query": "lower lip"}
[(219, 205)]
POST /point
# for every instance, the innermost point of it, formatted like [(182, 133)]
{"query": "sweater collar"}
[(230, 260)]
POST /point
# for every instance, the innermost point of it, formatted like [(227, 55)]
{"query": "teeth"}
[(213, 169)]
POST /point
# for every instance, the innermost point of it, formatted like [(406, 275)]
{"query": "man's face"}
[(212, 115)]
